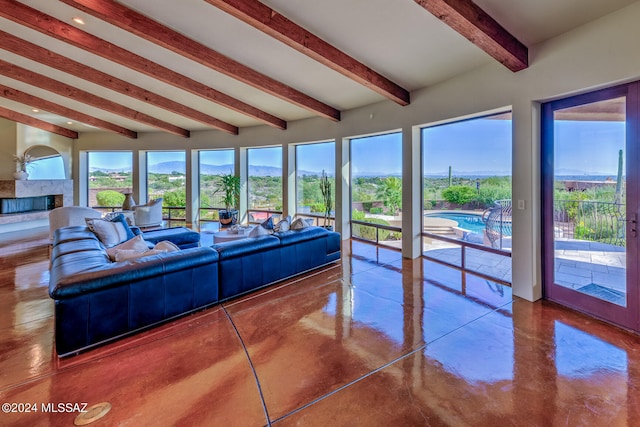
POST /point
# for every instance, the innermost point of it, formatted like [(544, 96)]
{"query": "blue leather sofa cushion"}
[(242, 247), (180, 236), (290, 237), (98, 274), (80, 245), (247, 264), (71, 233)]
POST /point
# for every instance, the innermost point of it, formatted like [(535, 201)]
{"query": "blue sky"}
[(588, 147), (377, 154), (316, 157), (481, 145)]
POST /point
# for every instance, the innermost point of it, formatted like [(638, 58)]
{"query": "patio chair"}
[(498, 221), (149, 215)]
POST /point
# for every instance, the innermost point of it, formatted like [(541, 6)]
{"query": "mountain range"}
[(262, 170), (205, 169)]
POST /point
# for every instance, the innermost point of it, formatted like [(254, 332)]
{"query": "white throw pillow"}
[(136, 244), (109, 233), (283, 225), (126, 254), (166, 246), (258, 231), (299, 224)]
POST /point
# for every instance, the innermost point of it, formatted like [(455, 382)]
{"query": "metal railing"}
[(371, 232), (255, 219), (464, 245), (594, 221), (318, 219)]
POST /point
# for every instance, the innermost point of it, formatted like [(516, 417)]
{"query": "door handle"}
[(634, 221)]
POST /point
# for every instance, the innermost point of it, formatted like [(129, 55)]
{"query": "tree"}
[(391, 193), (175, 198)]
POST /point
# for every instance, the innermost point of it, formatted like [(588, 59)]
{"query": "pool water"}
[(469, 222)]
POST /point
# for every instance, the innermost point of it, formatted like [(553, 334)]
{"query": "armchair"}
[(68, 216), (148, 215)]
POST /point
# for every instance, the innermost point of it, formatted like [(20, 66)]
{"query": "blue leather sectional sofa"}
[(97, 300)]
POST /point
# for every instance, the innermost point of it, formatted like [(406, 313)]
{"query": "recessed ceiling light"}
[(35, 110), (78, 20), (69, 123)]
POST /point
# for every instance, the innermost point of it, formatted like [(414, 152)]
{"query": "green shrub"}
[(109, 198), (366, 232), (459, 194), (488, 195), (376, 211)]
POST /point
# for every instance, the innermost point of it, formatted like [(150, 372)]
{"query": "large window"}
[(109, 177), (467, 193), (311, 161), (213, 163), (265, 182), (376, 192), (166, 178)]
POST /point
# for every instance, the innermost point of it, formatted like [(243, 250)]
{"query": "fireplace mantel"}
[(37, 187), (62, 189)]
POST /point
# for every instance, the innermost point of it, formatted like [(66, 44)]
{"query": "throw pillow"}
[(268, 223), (126, 254), (110, 216), (283, 225), (258, 231), (136, 244), (166, 246), (123, 219), (299, 224), (109, 233)]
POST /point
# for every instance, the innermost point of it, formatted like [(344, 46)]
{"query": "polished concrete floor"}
[(371, 340)]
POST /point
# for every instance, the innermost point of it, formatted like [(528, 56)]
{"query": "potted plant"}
[(22, 162), (230, 186), (325, 189)]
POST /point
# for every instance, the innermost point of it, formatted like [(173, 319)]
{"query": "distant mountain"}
[(576, 172), (110, 170), (206, 169), (371, 174), (467, 174)]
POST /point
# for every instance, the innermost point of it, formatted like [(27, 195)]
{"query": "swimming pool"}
[(468, 221)]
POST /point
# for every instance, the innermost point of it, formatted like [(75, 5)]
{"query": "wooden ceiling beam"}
[(42, 104), (36, 123), (51, 59), (267, 20), (148, 29), (50, 26), (38, 80), (481, 29)]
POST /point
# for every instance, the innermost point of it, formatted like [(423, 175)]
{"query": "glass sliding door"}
[(590, 203)]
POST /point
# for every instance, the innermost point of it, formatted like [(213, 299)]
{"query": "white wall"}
[(596, 55)]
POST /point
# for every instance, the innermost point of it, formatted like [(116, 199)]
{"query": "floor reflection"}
[(372, 340)]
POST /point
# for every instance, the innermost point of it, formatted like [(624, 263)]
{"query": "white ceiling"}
[(398, 39)]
